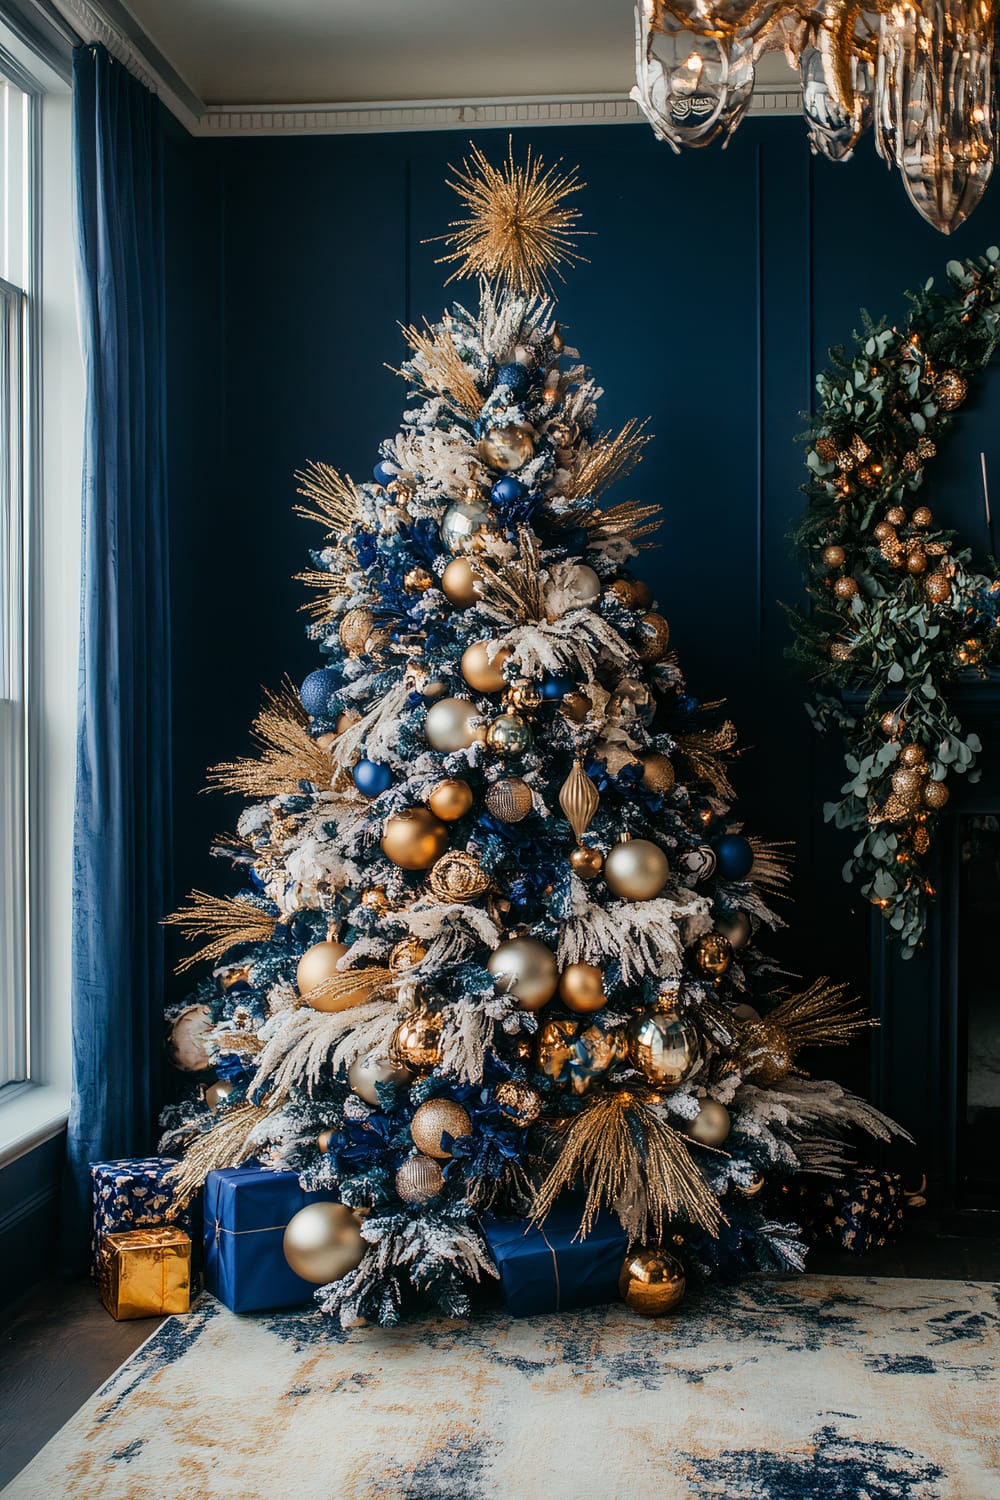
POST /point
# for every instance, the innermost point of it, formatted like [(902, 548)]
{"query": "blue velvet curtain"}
[(121, 834)]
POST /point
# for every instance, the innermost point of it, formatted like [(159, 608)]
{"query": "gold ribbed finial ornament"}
[(579, 800)]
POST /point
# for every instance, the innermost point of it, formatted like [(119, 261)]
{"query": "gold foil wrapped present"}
[(145, 1273)]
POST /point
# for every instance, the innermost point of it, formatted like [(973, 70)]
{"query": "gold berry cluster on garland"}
[(898, 612)]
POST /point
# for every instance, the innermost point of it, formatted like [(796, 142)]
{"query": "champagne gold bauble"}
[(217, 1092), (510, 799), (414, 838), (376, 900), (407, 953), (419, 1180), (509, 734), (524, 695), (579, 800), (482, 672), (711, 1125), (581, 988), (450, 799), (834, 556), (366, 1072), (654, 638), (418, 580), (922, 517), (846, 588), (735, 927), (187, 1047), (937, 588), (586, 862), (896, 515), (636, 870), (525, 968), (584, 584), (458, 877), (508, 447), (450, 724), (935, 794), (323, 1242), (713, 954), (460, 584), (575, 1053), (416, 1042), (651, 1282), (433, 1120), (518, 1101), (317, 965), (664, 1046), (355, 628), (883, 532), (657, 772), (465, 526)]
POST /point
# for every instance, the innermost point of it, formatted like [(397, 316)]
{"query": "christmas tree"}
[(497, 936)]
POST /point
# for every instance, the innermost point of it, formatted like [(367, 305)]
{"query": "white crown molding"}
[(138, 55)]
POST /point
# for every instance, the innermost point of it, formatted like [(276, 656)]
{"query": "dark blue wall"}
[(715, 283)]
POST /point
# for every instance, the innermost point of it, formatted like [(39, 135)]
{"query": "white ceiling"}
[(333, 51)]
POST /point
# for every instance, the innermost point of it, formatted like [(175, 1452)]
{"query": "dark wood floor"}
[(59, 1345)]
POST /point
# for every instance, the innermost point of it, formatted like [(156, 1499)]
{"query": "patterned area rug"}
[(774, 1390)]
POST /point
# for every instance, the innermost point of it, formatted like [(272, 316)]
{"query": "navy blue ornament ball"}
[(555, 685), (382, 474), (315, 691), (515, 377), (507, 491), (734, 855), (372, 778)]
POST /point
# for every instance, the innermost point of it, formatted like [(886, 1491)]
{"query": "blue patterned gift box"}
[(246, 1212), (547, 1268), (132, 1194), (864, 1212)]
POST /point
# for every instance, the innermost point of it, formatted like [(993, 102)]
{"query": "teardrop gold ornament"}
[(579, 800)]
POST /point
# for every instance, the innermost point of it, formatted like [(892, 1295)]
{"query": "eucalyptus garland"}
[(899, 614)]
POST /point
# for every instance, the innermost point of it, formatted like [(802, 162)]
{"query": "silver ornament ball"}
[(365, 1073), (527, 969), (463, 526), (449, 725)]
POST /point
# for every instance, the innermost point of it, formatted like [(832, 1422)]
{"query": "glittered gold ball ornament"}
[(937, 588), (913, 755), (414, 838), (636, 870), (433, 1120), (711, 1125), (575, 1053), (418, 580), (654, 638), (834, 556), (419, 1180), (416, 1042), (187, 1046), (376, 900), (950, 390), (895, 516), (518, 1101), (846, 588), (581, 988), (922, 517), (524, 695), (317, 965), (483, 671), (322, 1242), (458, 877), (406, 954), (664, 1046), (450, 725), (586, 862), (935, 794), (891, 723), (651, 1282), (907, 783), (883, 532), (461, 584), (766, 1054), (509, 447), (509, 800), (365, 1073), (735, 927), (217, 1092), (465, 526), (450, 799), (657, 772), (713, 954), (527, 969), (509, 734)]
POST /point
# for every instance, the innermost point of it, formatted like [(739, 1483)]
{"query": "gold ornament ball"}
[(575, 707), (713, 954), (460, 583), (937, 588), (187, 1047), (518, 1101), (509, 800), (414, 838), (896, 515), (752, 1188), (458, 877), (365, 1073), (416, 1042), (450, 799), (846, 588), (584, 584), (317, 965), (217, 1092), (652, 1282), (883, 532), (508, 447), (586, 862), (766, 1053), (891, 723), (654, 638), (581, 988), (436, 1118), (482, 672), (735, 927), (657, 772), (916, 560), (449, 724), (664, 1046), (524, 694), (376, 900), (936, 794), (575, 1053), (323, 1242), (907, 783), (465, 526), (922, 517), (527, 969), (418, 580), (509, 734), (834, 556), (913, 755), (636, 870), (711, 1125), (355, 628), (408, 952), (419, 1180)]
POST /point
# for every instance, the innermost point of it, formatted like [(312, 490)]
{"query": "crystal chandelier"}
[(920, 71)]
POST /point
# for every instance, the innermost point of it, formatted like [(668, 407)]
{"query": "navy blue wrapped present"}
[(246, 1212), (864, 1212), (546, 1268), (131, 1194)]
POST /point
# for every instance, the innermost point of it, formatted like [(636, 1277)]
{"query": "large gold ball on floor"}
[(460, 583), (436, 1118), (366, 1072), (525, 968), (322, 1242), (414, 838), (482, 672), (518, 1101), (575, 1053), (636, 870), (464, 526), (416, 1042), (509, 734), (450, 799), (419, 1180), (657, 772), (713, 954), (586, 862), (581, 988), (711, 1125), (935, 794), (509, 800), (654, 638), (187, 1047), (664, 1046), (651, 1282), (317, 965), (508, 447), (449, 724)]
